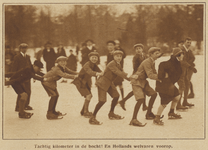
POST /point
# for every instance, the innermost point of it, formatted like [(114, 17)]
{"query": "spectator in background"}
[(49, 56), (39, 54), (85, 51), (21, 61), (191, 94), (72, 61), (118, 47), (60, 50), (77, 49)]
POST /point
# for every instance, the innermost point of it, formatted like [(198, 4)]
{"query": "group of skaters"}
[(179, 68)]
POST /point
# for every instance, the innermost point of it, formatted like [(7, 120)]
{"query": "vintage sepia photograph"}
[(103, 75)]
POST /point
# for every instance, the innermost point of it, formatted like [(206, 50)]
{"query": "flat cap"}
[(177, 51), (61, 58), (23, 45), (153, 49), (139, 45), (117, 52), (93, 54), (38, 63)]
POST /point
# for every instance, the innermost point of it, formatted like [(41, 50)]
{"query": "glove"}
[(193, 69)]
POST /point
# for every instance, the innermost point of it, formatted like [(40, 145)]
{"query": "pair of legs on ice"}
[(101, 101), (22, 101), (52, 113), (165, 99)]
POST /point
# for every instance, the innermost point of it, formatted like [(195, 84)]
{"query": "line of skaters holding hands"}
[(165, 79)]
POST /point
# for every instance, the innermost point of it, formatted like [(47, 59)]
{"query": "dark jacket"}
[(109, 58), (112, 70), (84, 77), (85, 53), (137, 60), (61, 52), (174, 70), (20, 62), (23, 75), (49, 58), (72, 62)]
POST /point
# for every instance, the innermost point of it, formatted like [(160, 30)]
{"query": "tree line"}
[(152, 25)]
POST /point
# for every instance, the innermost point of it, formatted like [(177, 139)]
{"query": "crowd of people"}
[(178, 69)]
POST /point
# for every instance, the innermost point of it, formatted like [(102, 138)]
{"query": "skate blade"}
[(111, 118), (158, 124), (174, 118), (100, 123), (63, 114), (142, 125), (161, 116), (56, 118)]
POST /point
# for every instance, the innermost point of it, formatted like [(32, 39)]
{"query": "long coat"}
[(49, 58), (112, 70), (72, 62), (174, 70), (61, 52)]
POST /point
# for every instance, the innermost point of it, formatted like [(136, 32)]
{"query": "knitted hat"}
[(153, 49), (93, 54), (139, 45), (117, 52)]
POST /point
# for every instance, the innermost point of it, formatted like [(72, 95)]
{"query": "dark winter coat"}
[(23, 75), (174, 70), (61, 52), (20, 62), (49, 58), (72, 62), (188, 56), (84, 77)]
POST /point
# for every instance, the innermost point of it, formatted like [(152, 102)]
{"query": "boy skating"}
[(141, 86), (105, 85), (56, 73), (83, 81), (138, 58)]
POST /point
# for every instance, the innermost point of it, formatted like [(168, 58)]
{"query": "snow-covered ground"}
[(74, 126)]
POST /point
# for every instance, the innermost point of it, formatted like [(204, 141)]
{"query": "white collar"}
[(185, 48), (23, 54), (89, 47)]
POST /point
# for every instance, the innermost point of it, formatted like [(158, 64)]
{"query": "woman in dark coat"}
[(49, 56)]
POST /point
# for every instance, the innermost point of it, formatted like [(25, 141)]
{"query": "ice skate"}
[(174, 116), (135, 122), (93, 121), (113, 116)]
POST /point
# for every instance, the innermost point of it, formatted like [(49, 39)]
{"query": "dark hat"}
[(89, 40), (177, 51), (38, 63), (23, 45), (117, 52), (153, 49), (61, 58), (93, 54), (139, 45)]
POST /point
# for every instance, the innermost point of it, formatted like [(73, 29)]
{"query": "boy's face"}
[(139, 50), (62, 63), (110, 47), (117, 58), (36, 69), (93, 59), (187, 43), (155, 55)]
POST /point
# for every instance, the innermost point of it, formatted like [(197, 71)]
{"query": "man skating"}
[(17, 81)]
